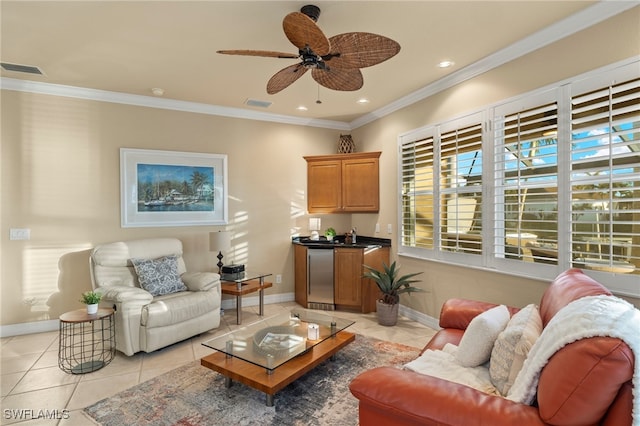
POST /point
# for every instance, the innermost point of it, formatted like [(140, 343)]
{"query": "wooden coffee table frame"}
[(272, 381)]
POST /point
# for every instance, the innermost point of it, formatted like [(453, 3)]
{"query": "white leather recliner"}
[(145, 322)]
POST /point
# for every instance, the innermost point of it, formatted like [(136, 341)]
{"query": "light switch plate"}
[(389, 229)]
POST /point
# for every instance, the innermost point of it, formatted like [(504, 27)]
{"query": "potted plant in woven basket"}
[(91, 299), (391, 287)]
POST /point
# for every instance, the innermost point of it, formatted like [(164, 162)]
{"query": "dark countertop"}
[(338, 242)]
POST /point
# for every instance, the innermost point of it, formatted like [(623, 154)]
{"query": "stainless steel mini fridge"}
[(320, 278)]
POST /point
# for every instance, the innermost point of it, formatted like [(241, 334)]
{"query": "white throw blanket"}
[(444, 365), (586, 317)]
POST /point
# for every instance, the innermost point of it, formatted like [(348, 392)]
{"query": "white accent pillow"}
[(512, 346), (478, 339)]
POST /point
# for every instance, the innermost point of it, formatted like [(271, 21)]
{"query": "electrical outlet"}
[(377, 228), (389, 229), (278, 279), (19, 234)]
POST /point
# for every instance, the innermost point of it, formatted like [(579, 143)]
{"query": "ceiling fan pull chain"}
[(318, 101)]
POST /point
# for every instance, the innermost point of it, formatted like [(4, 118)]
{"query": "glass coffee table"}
[(273, 352)]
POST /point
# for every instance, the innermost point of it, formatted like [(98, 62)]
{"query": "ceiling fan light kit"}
[(334, 62), (311, 11)]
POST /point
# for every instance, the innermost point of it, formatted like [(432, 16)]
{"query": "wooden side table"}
[(87, 342), (240, 284)]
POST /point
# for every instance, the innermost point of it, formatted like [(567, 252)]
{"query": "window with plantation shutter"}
[(442, 187), (533, 185), (605, 178), (526, 184), (461, 188), (418, 192)]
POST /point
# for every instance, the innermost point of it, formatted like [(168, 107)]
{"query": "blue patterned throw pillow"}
[(159, 276)]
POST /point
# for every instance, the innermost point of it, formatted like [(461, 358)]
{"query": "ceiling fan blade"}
[(360, 50), (265, 53), (284, 78), (303, 32), (343, 79)]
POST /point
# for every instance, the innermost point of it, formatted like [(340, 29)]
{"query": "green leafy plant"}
[(390, 284), (91, 298), (330, 232)]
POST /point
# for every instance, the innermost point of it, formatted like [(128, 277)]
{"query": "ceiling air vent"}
[(21, 68), (257, 103)]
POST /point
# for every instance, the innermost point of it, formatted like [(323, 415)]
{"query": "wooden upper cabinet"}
[(324, 186), (360, 185), (343, 183)]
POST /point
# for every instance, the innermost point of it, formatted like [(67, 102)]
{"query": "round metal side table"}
[(87, 342)]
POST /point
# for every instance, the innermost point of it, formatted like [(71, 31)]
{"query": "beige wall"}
[(607, 43), (60, 178)]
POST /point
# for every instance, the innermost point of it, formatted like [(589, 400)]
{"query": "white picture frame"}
[(172, 188)]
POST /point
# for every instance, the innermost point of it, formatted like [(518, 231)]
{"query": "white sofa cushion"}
[(112, 262), (200, 281), (178, 307)]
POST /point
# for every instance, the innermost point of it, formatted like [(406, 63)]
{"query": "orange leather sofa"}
[(587, 382)]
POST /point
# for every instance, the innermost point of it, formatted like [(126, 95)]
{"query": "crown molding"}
[(595, 14), (169, 104), (586, 18)]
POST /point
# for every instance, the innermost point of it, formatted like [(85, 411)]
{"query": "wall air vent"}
[(21, 68), (257, 103)]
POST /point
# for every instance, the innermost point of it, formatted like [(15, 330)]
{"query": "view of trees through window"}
[(527, 183), (605, 177)]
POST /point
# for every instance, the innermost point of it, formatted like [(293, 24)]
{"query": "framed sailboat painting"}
[(170, 188)]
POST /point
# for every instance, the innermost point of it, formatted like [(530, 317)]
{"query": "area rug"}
[(193, 395)]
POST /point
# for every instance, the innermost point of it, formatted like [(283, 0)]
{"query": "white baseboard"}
[(419, 317), (412, 314), (54, 325), (230, 303), (29, 328)]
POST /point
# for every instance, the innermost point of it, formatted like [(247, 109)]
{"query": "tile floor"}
[(32, 381)]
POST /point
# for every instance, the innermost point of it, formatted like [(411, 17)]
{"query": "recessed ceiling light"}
[(445, 64), (363, 101), (157, 91), (302, 108)]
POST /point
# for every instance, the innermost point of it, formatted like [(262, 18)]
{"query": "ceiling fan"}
[(334, 62)]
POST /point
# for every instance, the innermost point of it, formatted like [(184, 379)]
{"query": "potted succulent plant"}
[(330, 233), (91, 299), (391, 287)]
